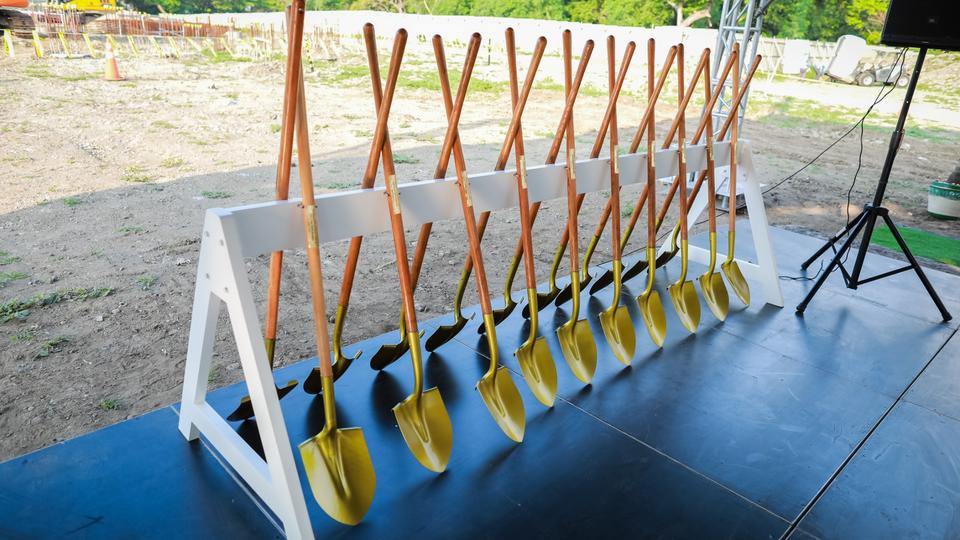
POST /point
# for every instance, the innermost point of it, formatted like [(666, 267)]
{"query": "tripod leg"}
[(871, 221), (833, 240), (860, 222), (916, 266)]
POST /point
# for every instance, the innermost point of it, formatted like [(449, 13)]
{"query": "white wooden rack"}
[(232, 234)]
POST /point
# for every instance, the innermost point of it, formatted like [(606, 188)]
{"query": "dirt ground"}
[(103, 187)]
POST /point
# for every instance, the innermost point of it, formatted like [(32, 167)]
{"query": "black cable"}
[(881, 95)]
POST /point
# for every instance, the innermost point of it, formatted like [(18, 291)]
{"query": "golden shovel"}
[(575, 336), (711, 283), (336, 460), (422, 416), (496, 387), (682, 293), (533, 355), (615, 320), (445, 333), (651, 307), (730, 267)]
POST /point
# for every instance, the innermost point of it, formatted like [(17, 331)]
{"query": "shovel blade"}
[(634, 271), (340, 473), (539, 370), (244, 410), (618, 329), (687, 304), (715, 293), (665, 257), (425, 426), (602, 282), (654, 318), (388, 354), (444, 334), (579, 349), (502, 399), (737, 281)]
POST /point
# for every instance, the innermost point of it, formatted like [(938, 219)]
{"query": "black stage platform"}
[(842, 424)]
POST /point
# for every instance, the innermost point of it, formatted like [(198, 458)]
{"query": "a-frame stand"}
[(231, 235), (764, 270), (867, 219)]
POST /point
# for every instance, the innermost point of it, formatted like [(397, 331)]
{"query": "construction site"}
[(642, 354)]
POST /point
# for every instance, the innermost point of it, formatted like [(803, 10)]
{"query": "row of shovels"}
[(337, 460)]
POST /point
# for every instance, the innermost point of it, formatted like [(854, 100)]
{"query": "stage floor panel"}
[(841, 423)]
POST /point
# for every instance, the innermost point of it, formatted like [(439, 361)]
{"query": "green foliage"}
[(7, 277), (825, 20), (50, 346), (20, 309)]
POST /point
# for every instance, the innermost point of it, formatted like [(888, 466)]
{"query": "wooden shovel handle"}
[(560, 134), (463, 181), (602, 133), (711, 173), (509, 137), (651, 142), (681, 145), (291, 85), (732, 118), (614, 136), (737, 99), (370, 174), (572, 229), (526, 232)]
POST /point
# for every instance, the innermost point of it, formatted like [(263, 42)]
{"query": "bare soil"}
[(104, 185)]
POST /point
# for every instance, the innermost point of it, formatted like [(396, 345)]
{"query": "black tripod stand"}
[(867, 219)]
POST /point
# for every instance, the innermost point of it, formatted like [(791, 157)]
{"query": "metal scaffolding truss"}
[(740, 22)]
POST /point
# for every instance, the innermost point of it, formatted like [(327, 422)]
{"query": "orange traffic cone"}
[(111, 72)]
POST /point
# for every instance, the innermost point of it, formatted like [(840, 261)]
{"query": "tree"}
[(865, 17), (695, 9)]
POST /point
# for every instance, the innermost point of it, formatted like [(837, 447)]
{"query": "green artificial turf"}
[(922, 244)]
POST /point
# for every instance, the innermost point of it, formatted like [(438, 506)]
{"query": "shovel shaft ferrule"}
[(575, 287), (555, 266), (591, 247), (532, 300), (341, 361), (731, 241), (651, 269), (713, 252), (329, 405), (684, 260), (617, 282), (270, 344), (413, 338), (491, 327)]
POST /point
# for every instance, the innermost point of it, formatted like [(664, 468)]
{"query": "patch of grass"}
[(347, 72), (130, 229), (38, 72), (214, 374), (23, 336), (626, 210), (404, 158), (147, 281), (20, 309), (6, 258), (922, 243), (362, 133), (136, 174), (163, 124), (274, 128), (172, 162), (72, 201), (216, 194), (7, 277), (50, 346), (232, 95), (550, 84), (108, 404), (222, 57)]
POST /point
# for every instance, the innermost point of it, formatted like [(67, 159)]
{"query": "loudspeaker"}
[(934, 24)]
